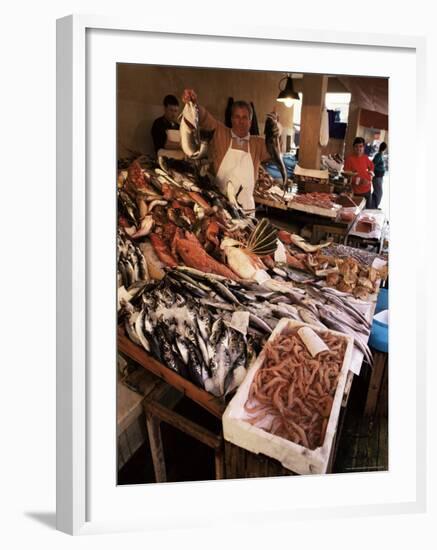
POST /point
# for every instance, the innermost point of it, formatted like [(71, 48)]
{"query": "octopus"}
[(292, 393)]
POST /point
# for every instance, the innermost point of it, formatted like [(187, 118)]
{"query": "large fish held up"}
[(271, 132), (192, 145)]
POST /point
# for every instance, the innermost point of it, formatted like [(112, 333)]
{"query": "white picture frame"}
[(77, 235)]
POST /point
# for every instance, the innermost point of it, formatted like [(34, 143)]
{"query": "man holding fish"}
[(235, 154)]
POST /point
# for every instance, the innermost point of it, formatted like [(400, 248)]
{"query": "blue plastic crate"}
[(379, 336), (382, 302)]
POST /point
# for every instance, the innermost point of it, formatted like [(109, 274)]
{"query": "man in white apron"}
[(237, 170), (235, 154)]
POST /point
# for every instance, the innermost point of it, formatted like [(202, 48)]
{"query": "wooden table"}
[(157, 409), (231, 461), (323, 227), (212, 404)]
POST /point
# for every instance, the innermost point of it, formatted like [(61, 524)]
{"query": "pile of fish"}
[(188, 222), (217, 290), (171, 322), (186, 294), (131, 264)]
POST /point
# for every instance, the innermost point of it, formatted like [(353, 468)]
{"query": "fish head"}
[(228, 242)]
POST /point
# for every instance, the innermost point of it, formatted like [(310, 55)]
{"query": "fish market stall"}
[(309, 202), (327, 221), (203, 286), (244, 319)]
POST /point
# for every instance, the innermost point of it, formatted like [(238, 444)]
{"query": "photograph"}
[(252, 273)]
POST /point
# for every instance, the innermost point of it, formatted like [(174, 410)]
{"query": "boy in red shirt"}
[(361, 164)]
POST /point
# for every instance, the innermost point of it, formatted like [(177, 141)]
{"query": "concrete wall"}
[(141, 89)]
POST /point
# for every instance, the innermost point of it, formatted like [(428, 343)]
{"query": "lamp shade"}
[(287, 95)]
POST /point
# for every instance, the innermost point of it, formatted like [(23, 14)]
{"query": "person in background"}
[(169, 121), (360, 163), (379, 169), (236, 155), (372, 147)]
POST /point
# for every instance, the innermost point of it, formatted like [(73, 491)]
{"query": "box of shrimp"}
[(289, 403)]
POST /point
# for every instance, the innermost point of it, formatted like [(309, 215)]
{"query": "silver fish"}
[(259, 323), (129, 273), (142, 264), (195, 365), (345, 319), (130, 323), (344, 304), (128, 207), (183, 349), (309, 317), (220, 362), (189, 129), (139, 324), (204, 322)]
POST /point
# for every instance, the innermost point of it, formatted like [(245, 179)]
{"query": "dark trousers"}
[(377, 191)]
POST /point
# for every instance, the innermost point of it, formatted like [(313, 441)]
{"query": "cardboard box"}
[(292, 456)]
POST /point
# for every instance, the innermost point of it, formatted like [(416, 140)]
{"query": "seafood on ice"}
[(131, 263), (172, 324), (177, 230)]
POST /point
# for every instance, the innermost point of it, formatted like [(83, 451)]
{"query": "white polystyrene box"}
[(292, 456)]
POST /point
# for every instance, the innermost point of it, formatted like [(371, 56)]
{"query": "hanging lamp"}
[(287, 95)]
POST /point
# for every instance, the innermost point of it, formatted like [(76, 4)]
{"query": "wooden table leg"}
[(379, 366), (219, 463), (156, 447), (155, 414)]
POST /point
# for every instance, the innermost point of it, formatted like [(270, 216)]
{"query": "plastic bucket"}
[(379, 334), (382, 302)]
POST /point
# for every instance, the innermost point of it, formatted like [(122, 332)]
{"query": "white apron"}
[(237, 168)]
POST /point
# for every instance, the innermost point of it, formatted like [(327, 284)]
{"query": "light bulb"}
[(288, 102)]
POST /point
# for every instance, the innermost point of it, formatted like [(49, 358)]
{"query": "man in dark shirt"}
[(166, 122)]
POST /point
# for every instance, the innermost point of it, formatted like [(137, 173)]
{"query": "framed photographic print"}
[(231, 221)]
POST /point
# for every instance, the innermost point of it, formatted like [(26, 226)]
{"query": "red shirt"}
[(360, 165)]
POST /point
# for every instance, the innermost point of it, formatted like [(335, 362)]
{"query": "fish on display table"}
[(212, 265), (271, 131)]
